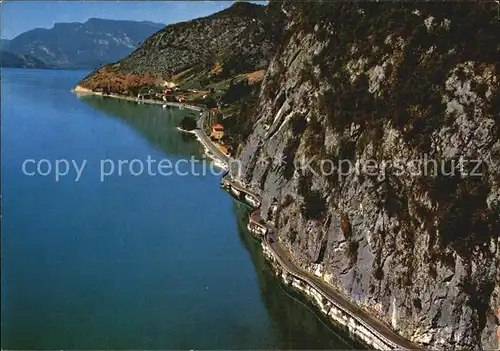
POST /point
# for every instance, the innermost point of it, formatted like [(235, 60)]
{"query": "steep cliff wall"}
[(402, 87)]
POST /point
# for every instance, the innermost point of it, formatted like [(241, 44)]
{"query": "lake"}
[(132, 261)]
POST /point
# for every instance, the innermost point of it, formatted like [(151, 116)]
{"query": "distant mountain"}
[(5, 43), (9, 59), (82, 45)]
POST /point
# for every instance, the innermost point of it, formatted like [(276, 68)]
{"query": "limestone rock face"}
[(243, 30), (412, 90)]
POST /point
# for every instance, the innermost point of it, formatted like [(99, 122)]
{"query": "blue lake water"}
[(133, 262)]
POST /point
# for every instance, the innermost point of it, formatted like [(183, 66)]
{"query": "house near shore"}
[(217, 131), (169, 85)]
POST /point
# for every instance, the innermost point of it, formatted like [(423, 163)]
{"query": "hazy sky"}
[(20, 16)]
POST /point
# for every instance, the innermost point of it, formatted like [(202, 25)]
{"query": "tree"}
[(188, 123), (237, 92)]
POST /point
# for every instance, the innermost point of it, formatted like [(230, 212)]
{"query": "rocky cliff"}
[(376, 150)]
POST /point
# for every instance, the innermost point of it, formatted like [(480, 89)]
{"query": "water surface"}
[(134, 262)]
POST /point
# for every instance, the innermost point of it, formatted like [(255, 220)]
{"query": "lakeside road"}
[(272, 242), (205, 139), (369, 321), (365, 318)]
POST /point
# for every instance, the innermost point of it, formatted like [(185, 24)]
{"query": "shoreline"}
[(217, 161), (79, 90), (338, 314)]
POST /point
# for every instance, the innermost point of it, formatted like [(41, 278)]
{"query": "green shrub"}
[(237, 91), (188, 123)]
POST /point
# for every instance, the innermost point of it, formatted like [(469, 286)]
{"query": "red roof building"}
[(218, 127), (217, 131)]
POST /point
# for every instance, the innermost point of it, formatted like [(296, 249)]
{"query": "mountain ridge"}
[(11, 60), (236, 40), (82, 45)]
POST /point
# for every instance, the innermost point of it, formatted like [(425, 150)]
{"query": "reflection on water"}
[(305, 328), (155, 123)]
